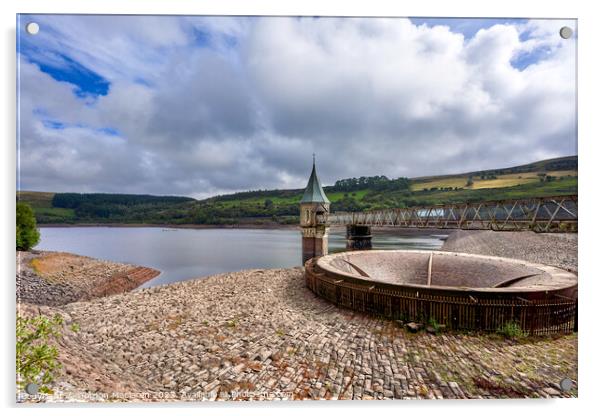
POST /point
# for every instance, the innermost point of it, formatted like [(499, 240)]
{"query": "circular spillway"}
[(448, 270), (466, 291)]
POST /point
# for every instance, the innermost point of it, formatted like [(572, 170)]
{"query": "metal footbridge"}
[(545, 214)]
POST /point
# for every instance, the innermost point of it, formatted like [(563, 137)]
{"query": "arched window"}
[(307, 214)]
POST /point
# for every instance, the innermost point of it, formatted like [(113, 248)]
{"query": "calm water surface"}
[(182, 254)]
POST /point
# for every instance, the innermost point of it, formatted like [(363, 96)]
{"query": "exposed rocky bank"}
[(51, 278), (558, 250)]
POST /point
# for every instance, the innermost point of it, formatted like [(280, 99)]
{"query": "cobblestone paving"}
[(260, 334)]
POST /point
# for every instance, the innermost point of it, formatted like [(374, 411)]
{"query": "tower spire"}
[(314, 192)]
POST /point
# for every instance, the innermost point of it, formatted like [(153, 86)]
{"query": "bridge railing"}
[(546, 214)]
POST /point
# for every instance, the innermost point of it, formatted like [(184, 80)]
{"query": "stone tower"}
[(314, 213)]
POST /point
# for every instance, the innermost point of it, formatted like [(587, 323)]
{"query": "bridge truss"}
[(548, 214)]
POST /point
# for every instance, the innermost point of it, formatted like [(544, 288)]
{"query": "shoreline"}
[(559, 250), (53, 278), (182, 226)]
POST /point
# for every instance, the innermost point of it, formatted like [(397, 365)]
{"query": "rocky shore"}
[(558, 250), (260, 334), (49, 278)]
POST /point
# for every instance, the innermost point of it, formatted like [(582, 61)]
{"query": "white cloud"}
[(213, 105)]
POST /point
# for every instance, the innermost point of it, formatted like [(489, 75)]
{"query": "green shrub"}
[(36, 359), (511, 329), (436, 325), (27, 233)]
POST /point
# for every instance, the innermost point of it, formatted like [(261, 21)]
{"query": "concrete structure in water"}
[(359, 237), (315, 207)]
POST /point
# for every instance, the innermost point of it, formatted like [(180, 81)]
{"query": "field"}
[(36, 199), (501, 181), (41, 202), (528, 190)]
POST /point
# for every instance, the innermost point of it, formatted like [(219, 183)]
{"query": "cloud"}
[(206, 105)]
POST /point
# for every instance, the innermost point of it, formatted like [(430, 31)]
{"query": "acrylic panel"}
[(295, 208)]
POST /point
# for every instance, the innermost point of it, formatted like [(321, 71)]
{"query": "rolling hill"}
[(543, 178)]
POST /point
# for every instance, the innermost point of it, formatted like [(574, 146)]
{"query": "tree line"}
[(376, 183), (75, 200)]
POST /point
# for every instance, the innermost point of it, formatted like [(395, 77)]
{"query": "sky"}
[(201, 106)]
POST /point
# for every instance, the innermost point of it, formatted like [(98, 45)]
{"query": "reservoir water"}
[(182, 254)]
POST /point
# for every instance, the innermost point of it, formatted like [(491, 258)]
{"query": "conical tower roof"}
[(313, 191)]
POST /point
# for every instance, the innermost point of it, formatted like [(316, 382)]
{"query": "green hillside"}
[(543, 178)]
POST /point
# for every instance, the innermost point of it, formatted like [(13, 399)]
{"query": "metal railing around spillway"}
[(546, 214), (550, 312)]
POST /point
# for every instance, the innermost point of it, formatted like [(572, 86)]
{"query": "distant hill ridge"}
[(543, 178), (556, 164), (559, 163)]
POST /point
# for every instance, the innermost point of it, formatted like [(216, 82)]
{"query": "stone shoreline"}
[(63, 278), (559, 250), (251, 226), (261, 334)]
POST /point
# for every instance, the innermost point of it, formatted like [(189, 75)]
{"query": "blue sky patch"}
[(59, 125), (202, 38), (466, 26), (230, 41), (142, 81), (53, 124), (109, 131), (87, 82), (525, 59), (205, 39)]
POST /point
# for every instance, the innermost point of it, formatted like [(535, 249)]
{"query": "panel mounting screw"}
[(566, 32), (566, 384), (32, 388), (32, 28)]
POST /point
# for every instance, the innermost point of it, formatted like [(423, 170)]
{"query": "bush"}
[(511, 329), (36, 360), (27, 233), (435, 325)]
